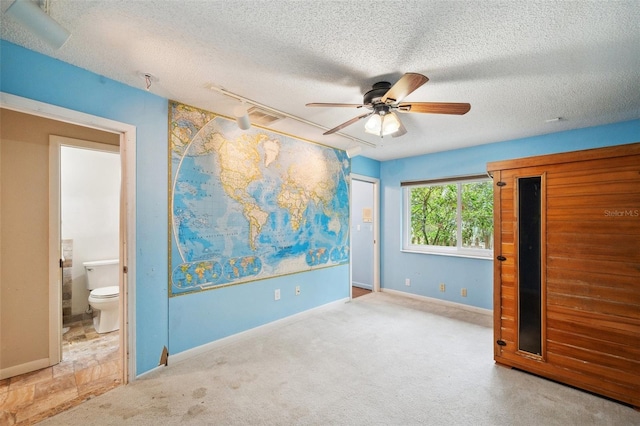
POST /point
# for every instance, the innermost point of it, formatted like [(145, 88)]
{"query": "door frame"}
[(376, 231), (56, 143), (127, 134)]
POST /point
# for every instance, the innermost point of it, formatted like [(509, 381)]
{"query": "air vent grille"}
[(263, 117)]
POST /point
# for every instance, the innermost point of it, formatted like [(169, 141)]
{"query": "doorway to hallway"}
[(365, 263)]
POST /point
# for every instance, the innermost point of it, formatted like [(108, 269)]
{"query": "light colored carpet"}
[(381, 359)]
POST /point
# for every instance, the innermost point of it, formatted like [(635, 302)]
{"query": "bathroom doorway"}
[(90, 181), (32, 344)]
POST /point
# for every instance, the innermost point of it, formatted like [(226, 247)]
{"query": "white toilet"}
[(102, 280)]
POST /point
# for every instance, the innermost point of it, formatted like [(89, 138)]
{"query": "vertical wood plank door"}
[(589, 269)]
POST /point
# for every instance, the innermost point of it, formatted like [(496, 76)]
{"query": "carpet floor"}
[(381, 359)]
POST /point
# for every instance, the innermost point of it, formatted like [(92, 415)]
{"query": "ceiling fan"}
[(384, 99)]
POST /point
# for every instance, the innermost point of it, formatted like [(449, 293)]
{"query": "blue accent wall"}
[(187, 321), (428, 271), (365, 166), (200, 318)]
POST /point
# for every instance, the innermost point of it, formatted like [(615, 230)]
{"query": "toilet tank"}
[(101, 273)]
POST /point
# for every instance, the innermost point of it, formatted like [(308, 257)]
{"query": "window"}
[(449, 216)]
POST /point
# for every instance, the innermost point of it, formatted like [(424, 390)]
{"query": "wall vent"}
[(262, 116)]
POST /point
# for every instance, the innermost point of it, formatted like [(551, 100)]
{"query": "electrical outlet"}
[(442, 287), (297, 290), (276, 294), (407, 282), (463, 292)]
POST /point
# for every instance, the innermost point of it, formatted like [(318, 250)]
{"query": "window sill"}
[(451, 254)]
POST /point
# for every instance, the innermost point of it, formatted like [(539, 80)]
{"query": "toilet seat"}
[(105, 292)]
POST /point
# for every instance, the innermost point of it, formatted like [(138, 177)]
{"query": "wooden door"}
[(519, 297)]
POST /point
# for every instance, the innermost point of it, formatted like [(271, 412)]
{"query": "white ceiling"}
[(518, 63)]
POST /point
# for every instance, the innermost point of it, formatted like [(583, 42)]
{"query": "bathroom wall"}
[(90, 197)]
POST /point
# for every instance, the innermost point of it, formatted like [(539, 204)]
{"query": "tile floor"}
[(90, 366)]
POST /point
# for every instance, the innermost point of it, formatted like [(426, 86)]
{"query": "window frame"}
[(458, 250)]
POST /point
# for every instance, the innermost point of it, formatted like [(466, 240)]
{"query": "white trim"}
[(55, 237), (55, 270), (248, 334), (451, 253), (376, 228), (27, 367), (127, 150), (128, 252), (440, 302), (82, 144), (458, 250), (146, 373), (41, 109)]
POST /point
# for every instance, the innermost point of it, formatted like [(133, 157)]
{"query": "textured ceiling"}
[(518, 63)]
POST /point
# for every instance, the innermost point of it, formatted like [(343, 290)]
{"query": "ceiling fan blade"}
[(347, 123), (435, 107), (401, 131), (320, 104), (403, 87)]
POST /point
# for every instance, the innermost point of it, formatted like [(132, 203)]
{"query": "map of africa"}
[(249, 205)]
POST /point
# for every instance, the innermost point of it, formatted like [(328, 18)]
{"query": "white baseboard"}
[(159, 367), (440, 302), (27, 367), (220, 343)]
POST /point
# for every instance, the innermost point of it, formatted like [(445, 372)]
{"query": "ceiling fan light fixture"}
[(29, 14), (382, 124), (390, 124), (373, 125)]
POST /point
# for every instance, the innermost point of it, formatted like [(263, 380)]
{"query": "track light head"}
[(242, 117), (31, 16)]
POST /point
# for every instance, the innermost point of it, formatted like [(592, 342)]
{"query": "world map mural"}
[(250, 205)]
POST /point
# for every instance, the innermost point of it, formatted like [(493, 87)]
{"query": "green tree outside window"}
[(452, 215)]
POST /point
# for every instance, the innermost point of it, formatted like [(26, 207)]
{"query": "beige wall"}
[(24, 233)]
